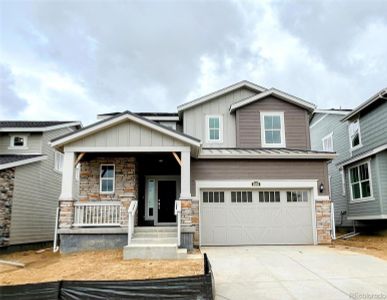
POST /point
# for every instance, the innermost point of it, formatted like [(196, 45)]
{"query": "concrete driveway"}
[(296, 272)]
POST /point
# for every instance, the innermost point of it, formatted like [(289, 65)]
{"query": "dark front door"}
[(166, 201)]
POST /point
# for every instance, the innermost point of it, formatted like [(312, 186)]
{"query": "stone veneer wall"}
[(126, 187), (323, 220), (7, 180)]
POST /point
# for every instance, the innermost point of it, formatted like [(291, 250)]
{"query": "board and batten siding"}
[(34, 143), (248, 123), (195, 118), (331, 123), (36, 194), (373, 129), (204, 169), (126, 134)]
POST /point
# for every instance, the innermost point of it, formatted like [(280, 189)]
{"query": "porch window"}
[(360, 182), (272, 129), (107, 178), (58, 161)]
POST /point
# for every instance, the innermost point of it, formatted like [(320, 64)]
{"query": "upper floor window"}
[(327, 142), (354, 133), (107, 179), (58, 161), (18, 141), (272, 129), (360, 181), (214, 128)]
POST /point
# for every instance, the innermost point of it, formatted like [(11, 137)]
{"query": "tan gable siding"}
[(125, 134), (195, 118), (259, 169), (249, 125)]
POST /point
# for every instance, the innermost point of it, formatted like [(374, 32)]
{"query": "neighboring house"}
[(30, 180), (329, 133), (365, 170), (234, 167)]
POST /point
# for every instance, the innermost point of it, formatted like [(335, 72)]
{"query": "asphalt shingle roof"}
[(10, 158), (31, 124)]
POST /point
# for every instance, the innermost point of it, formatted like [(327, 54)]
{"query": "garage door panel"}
[(280, 221)]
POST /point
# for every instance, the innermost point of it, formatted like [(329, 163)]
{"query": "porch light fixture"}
[(161, 161), (321, 187)]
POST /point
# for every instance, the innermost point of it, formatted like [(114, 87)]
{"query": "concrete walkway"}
[(296, 272)]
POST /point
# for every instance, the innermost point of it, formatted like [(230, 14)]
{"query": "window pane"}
[(299, 195), (268, 122), (250, 197), (356, 191), (288, 196), (276, 122), (364, 172), (216, 197), (355, 140), (151, 195), (239, 197), (205, 197), (365, 189), (305, 196), (269, 136), (210, 197), (261, 197), (18, 141), (214, 134), (233, 197), (244, 197), (271, 196), (277, 197), (107, 172), (109, 185), (276, 137), (294, 197), (354, 175), (267, 197), (221, 196)]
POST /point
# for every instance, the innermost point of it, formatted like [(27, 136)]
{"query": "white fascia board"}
[(162, 118), (39, 129), (331, 112), (117, 120), (127, 149), (327, 156), (277, 93), (363, 156), (22, 162), (221, 92)]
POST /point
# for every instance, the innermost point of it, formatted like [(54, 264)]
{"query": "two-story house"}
[(329, 133), (365, 170), (30, 180), (234, 167)]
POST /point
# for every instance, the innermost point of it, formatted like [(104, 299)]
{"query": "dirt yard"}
[(94, 265), (375, 245)]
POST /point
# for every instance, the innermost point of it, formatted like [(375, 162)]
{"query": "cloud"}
[(76, 59)]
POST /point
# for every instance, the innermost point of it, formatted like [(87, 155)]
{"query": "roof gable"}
[(218, 93), (276, 93), (126, 116)]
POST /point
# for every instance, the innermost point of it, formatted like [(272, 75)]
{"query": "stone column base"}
[(66, 213), (323, 221)]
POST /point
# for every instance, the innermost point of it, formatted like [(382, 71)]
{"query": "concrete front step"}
[(153, 251), (153, 235), (155, 229), (147, 240)]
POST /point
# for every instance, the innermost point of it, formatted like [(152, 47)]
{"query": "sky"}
[(71, 60)]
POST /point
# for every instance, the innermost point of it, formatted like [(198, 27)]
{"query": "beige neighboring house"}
[(234, 167), (30, 180)]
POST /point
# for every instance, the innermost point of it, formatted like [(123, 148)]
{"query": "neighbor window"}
[(213, 197), (360, 182), (214, 128), (58, 161), (327, 143), (18, 141), (107, 177), (354, 133), (272, 129)]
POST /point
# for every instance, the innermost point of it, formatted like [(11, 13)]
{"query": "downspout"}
[(55, 246)]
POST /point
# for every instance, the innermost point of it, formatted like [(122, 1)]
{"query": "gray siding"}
[(382, 175), (125, 134), (373, 129), (195, 118), (258, 169), (249, 125), (332, 123), (365, 208), (34, 143), (37, 189)]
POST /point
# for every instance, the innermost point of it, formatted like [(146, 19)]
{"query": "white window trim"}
[(263, 137), (343, 188), (12, 140), (220, 140), (350, 139), (100, 179), (328, 136), (56, 153), (371, 197)]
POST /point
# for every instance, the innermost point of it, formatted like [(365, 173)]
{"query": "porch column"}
[(185, 177), (66, 198)]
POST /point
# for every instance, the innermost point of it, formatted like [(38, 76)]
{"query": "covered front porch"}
[(123, 179)]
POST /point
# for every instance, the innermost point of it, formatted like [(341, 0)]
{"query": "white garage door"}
[(255, 217)]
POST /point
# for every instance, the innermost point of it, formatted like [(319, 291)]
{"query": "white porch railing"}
[(103, 213), (131, 217), (178, 220)]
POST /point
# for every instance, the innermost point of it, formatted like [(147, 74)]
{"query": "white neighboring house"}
[(30, 180)]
